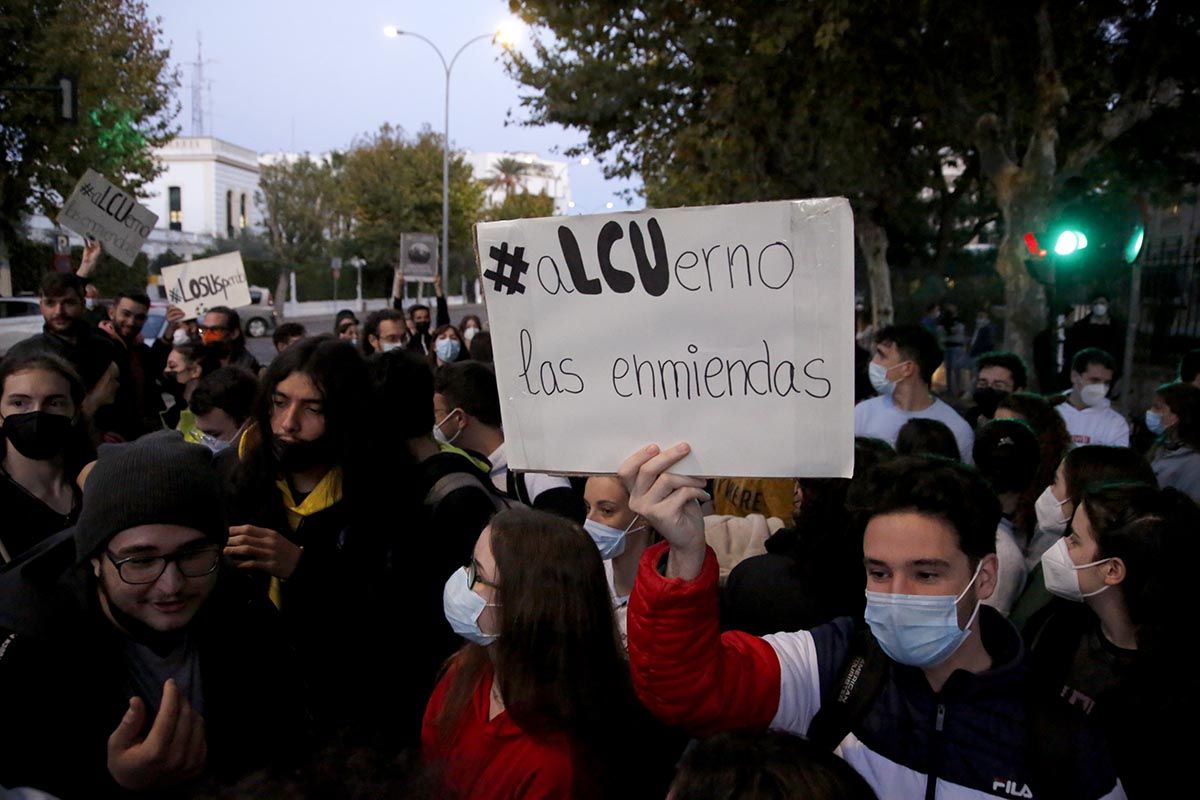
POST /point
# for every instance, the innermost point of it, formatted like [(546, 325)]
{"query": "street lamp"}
[(506, 35)]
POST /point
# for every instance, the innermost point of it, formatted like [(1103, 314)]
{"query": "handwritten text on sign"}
[(98, 209), (730, 327), (196, 286)]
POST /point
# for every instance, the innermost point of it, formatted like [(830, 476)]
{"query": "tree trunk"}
[(1024, 298), (281, 290), (873, 241), (6, 287)]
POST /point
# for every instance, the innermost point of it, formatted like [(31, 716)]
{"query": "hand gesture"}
[(671, 503), (174, 751), (92, 250), (252, 547), (174, 317)]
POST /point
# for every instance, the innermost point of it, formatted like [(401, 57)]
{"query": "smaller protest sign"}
[(99, 209), (197, 286), (418, 255)]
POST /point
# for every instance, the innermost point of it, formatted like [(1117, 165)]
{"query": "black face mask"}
[(301, 456), (171, 385), (988, 400), (422, 327), (39, 435)]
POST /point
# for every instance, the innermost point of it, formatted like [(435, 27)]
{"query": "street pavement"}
[(264, 350)]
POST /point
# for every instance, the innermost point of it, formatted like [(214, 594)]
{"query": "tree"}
[(509, 174), (726, 101), (300, 205), (521, 205), (392, 184), (125, 101)]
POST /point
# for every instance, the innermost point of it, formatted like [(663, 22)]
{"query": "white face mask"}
[(878, 375), (441, 437), (387, 347), (1050, 516), (180, 336), (1061, 574), (469, 334), (610, 540), (463, 606), (1100, 309), (1094, 394)]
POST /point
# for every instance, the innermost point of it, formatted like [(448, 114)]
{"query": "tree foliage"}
[(509, 174), (521, 205), (125, 104), (724, 101)]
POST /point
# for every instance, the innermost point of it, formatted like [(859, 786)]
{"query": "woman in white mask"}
[(1175, 419), (539, 702), (1083, 467), (1123, 573), (620, 535)]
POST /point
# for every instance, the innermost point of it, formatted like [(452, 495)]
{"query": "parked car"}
[(258, 318), (20, 318)]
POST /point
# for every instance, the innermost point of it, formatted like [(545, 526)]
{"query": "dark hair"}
[(139, 297), (462, 323), (916, 344), (938, 487), (558, 656), (1153, 531), (1008, 456), (57, 284), (415, 307), (766, 765), (371, 327), (344, 316), (481, 347), (339, 374), (1092, 355), (1189, 366), (403, 391), (79, 450), (1096, 463), (1009, 361), (470, 386), (928, 437), (1053, 439), (199, 353), (463, 355), (231, 389), (286, 331), (1184, 401)]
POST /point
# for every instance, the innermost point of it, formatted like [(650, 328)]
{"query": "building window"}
[(229, 213), (242, 218), (175, 206)]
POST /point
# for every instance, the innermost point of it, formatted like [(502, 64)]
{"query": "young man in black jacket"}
[(130, 658)]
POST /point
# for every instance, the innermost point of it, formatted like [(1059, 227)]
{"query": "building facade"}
[(541, 175)]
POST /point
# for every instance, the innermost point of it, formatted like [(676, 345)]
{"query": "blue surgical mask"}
[(448, 349), (463, 606), (610, 540), (1154, 422), (917, 629), (878, 375), (213, 443)]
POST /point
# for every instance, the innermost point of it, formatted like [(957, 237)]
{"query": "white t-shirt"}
[(1011, 580), (620, 603), (879, 418), (1098, 425)]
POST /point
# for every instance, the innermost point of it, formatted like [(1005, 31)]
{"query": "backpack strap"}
[(454, 481), (861, 679)]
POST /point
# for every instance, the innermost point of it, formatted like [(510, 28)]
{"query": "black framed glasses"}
[(193, 563), (473, 576)]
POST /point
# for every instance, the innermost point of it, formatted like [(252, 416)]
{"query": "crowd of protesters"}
[(320, 578)]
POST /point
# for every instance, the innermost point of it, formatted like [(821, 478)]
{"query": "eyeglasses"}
[(194, 563), (1000, 386), (474, 578), (203, 328)]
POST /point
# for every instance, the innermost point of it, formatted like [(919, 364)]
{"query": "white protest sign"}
[(98, 209), (196, 286), (729, 327)]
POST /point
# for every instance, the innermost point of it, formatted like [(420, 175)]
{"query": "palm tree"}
[(509, 174)]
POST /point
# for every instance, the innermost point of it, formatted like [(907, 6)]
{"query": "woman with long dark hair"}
[(1124, 583), (44, 442), (186, 364), (539, 703), (1175, 419)]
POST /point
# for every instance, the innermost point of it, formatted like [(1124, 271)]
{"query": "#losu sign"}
[(729, 327)]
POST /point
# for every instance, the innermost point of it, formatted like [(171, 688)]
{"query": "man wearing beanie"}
[(130, 658)]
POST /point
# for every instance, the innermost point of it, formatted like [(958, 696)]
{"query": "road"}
[(264, 350)]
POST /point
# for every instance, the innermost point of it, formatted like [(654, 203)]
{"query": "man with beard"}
[(1000, 374), (221, 328), (139, 400), (133, 659)]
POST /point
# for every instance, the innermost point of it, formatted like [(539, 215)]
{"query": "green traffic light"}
[(1070, 242), (1134, 248)]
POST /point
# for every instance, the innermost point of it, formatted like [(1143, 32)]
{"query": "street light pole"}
[(447, 67)]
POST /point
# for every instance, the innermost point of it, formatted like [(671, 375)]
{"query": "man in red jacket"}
[(948, 713)]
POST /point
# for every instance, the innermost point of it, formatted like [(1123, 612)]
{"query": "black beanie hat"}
[(158, 480)]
